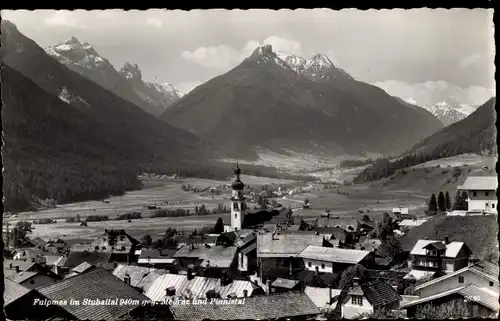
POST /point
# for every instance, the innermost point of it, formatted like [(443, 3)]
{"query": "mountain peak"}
[(322, 59), (131, 71), (73, 41), (263, 50)]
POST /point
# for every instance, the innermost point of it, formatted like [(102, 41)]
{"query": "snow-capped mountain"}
[(161, 95), (128, 84), (450, 113), (317, 68)]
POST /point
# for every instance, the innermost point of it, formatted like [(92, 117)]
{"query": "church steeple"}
[(238, 206)]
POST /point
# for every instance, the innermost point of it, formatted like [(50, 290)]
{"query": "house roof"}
[(216, 256), (157, 256), (21, 276), (386, 274), (140, 277), (482, 296), (402, 210), (452, 249), (196, 287), (377, 292), (483, 269), (53, 259), (481, 183), (343, 223), (321, 296), (23, 265), (249, 248), (408, 222), (331, 254), (98, 284), (285, 283), (418, 274), (285, 245), (76, 258), (267, 307), (13, 291), (80, 268)]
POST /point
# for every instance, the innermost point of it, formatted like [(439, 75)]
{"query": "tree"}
[(20, 233), (147, 240), (463, 203), (219, 226), (391, 248), (441, 202), (447, 201), (77, 218), (433, 206), (458, 201)]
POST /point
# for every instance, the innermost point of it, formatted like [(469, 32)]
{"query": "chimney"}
[(126, 279), (330, 295), (268, 287), (446, 239), (291, 267), (17, 268), (190, 274), (245, 293)]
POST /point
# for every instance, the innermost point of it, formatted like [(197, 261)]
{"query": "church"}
[(241, 216)]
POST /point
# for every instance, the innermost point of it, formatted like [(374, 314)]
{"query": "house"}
[(483, 275), (218, 257), (481, 191), (333, 260), (19, 303), (401, 213), (158, 258), (80, 269), (75, 258), (29, 274), (138, 277), (102, 296), (430, 256), (335, 233), (196, 287), (411, 223), (468, 299), (369, 297), (347, 224), (280, 306), (325, 299), (277, 252), (118, 243)]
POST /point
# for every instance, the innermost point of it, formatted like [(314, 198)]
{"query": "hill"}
[(69, 139), (480, 233), (265, 103), (474, 134)]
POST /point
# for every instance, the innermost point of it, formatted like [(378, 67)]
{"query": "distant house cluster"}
[(283, 267)]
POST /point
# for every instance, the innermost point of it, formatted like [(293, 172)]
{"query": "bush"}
[(96, 218), (129, 216)]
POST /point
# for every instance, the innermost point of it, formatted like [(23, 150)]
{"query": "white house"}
[(333, 260), (482, 193), (369, 297)]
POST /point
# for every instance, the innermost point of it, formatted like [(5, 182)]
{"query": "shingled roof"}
[(13, 291), (76, 258), (140, 277), (284, 244), (282, 305), (377, 292), (98, 284)]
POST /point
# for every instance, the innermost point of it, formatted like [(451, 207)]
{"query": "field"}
[(411, 189)]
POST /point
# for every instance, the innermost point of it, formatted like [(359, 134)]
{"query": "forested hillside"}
[(474, 134)]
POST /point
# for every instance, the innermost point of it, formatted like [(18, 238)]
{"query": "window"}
[(32, 281), (491, 283), (435, 264), (492, 205), (235, 206), (460, 279), (309, 264), (357, 300), (474, 193), (323, 266), (486, 193), (235, 215)]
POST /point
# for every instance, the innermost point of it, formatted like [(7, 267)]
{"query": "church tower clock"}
[(238, 205)]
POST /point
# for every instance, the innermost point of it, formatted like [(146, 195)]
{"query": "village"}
[(265, 261)]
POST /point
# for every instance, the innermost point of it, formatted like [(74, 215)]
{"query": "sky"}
[(402, 51)]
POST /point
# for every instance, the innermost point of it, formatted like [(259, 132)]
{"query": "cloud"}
[(430, 93), (225, 56), (64, 18), (470, 60), (155, 22)]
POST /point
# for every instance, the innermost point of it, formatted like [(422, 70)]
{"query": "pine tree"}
[(463, 203), (433, 205), (458, 201), (441, 202), (447, 201), (219, 226)]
